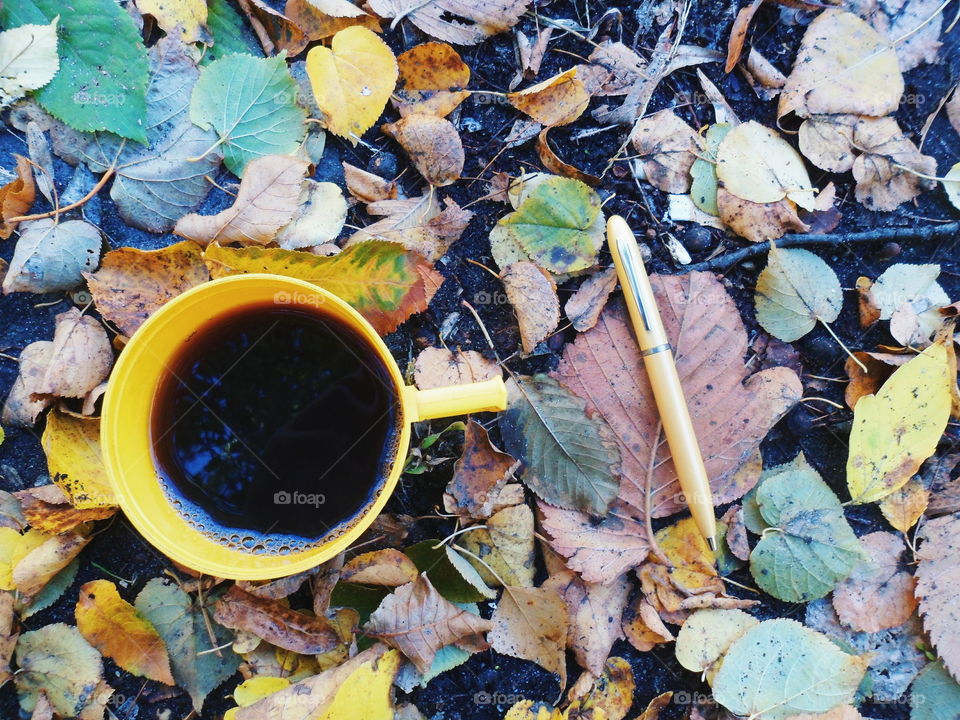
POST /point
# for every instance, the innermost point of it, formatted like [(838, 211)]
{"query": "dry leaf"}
[(319, 218), (558, 100), (48, 508), (504, 544), (626, 69), (275, 30), (904, 507), (880, 366), (758, 222), (80, 359), (940, 477), (20, 408), (9, 635), (116, 629), (72, 446), (736, 537), (552, 162), (882, 184), (433, 80), (132, 284), (40, 564), (381, 567), (693, 562), (827, 141), (879, 592), (416, 223), (52, 256), (476, 490), (433, 145), (367, 187), (842, 66), (731, 410), (440, 367), (460, 22), (667, 147), (267, 200), (317, 22), (533, 295), (913, 25), (738, 33), (610, 694), (531, 624), (530, 55), (585, 305), (16, 197), (938, 587), (418, 621), (643, 627)]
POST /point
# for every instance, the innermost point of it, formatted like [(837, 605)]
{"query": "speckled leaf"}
[(56, 660), (938, 587), (794, 291), (52, 256), (934, 695)]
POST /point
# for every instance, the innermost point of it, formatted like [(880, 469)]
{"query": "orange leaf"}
[(16, 197), (558, 100), (432, 80)]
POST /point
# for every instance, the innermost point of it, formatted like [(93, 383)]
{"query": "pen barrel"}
[(681, 438)]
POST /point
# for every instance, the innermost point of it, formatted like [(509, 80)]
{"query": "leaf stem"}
[(845, 348)]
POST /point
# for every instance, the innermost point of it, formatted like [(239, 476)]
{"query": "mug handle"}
[(489, 395)]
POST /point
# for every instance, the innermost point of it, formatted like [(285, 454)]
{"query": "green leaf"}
[(156, 185), (384, 281), (703, 188), (57, 660), (935, 695), (52, 591), (180, 623), (556, 225), (570, 459), (794, 291), (362, 598), (442, 574), (252, 104), (780, 668), (230, 34), (102, 80), (808, 547)]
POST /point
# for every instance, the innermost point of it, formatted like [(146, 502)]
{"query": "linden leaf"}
[(56, 661), (52, 256), (94, 89), (230, 33), (252, 105), (185, 18), (897, 429), (383, 281), (707, 634), (667, 148), (460, 22), (80, 359), (794, 291), (569, 457), (938, 587), (113, 626), (352, 80), (28, 60), (531, 624), (934, 695), (72, 446), (780, 668)]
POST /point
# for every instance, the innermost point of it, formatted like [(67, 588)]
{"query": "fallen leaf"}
[(418, 621), (14, 546), (758, 222), (738, 33), (9, 635), (694, 563), (610, 694), (476, 490), (736, 535), (904, 507), (530, 54), (568, 455), (57, 662), (28, 58), (840, 712), (53, 553), (912, 27), (883, 169), (934, 695), (433, 145), (367, 187), (667, 148), (260, 117), (416, 223), (779, 668), (552, 162), (52, 256), (878, 594), (72, 447), (731, 410), (531, 624), (320, 215), (794, 291), (319, 21), (185, 18), (440, 367), (585, 305), (707, 635), (601, 550), (48, 508), (938, 588), (275, 623), (433, 80), (382, 281), (80, 359), (505, 547), (16, 196), (626, 68), (953, 109), (827, 141), (944, 485), (643, 626), (352, 80), (115, 628), (703, 171), (454, 21), (132, 284), (189, 634), (448, 572), (897, 429), (533, 295), (558, 100), (380, 567), (275, 31), (842, 66), (20, 407), (268, 199)]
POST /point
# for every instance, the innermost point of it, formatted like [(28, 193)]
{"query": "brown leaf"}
[(558, 100), (552, 162), (418, 621), (827, 141), (758, 222), (944, 484), (80, 359), (736, 536), (738, 33), (533, 295), (904, 507), (531, 624), (879, 592), (275, 623), (938, 587), (455, 21), (433, 145), (380, 567), (667, 147), (880, 366), (731, 410), (20, 408), (881, 183), (656, 706), (48, 508), (643, 627), (133, 284), (16, 197), (433, 80), (601, 551), (276, 589), (39, 566), (9, 634), (267, 200), (440, 367), (367, 187), (476, 490), (505, 545), (317, 25), (953, 109), (624, 66), (275, 30), (585, 305), (530, 55)]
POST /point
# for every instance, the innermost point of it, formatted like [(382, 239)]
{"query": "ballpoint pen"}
[(662, 371)]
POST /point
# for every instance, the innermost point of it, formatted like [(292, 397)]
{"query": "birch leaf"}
[(52, 256)]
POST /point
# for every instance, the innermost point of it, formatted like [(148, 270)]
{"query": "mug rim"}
[(132, 483)]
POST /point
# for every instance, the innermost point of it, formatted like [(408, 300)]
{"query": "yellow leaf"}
[(13, 548), (72, 446), (365, 694), (694, 564), (897, 429), (116, 629), (902, 508), (558, 100), (37, 566), (258, 687), (352, 80), (184, 17)]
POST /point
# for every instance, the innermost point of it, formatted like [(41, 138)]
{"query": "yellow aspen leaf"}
[(902, 508), (897, 429), (185, 18), (119, 631), (352, 80), (72, 446), (254, 689), (558, 100)]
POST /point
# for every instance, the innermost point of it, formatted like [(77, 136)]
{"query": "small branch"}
[(72, 206), (927, 232)]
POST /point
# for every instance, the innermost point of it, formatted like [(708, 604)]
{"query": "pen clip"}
[(628, 256)]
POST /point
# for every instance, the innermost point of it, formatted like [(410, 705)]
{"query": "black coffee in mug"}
[(275, 419)]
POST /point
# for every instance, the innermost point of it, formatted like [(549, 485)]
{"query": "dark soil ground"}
[(489, 683)]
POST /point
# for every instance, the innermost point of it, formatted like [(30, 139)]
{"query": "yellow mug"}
[(126, 434)]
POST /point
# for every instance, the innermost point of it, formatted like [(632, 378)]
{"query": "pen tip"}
[(712, 542)]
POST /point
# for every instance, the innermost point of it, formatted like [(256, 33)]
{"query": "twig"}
[(57, 211), (928, 232)]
